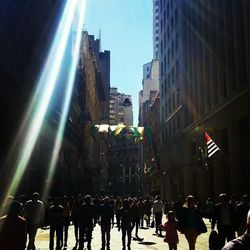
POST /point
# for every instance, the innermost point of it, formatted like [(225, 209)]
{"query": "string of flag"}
[(115, 130)]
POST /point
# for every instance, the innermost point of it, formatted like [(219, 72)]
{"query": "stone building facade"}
[(205, 75)]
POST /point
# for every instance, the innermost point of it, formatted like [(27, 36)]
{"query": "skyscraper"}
[(156, 28)]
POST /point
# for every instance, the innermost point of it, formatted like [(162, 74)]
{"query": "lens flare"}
[(69, 87), (46, 85)]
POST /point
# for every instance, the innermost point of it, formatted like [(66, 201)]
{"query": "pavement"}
[(151, 240)]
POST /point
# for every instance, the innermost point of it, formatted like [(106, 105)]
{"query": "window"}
[(172, 25), (168, 9), (165, 64), (173, 101), (173, 126), (176, 18), (164, 19), (169, 80), (162, 70), (169, 105), (168, 34), (172, 50), (178, 123), (176, 42), (164, 40), (177, 69), (165, 86), (166, 109), (168, 57), (172, 73), (178, 96)]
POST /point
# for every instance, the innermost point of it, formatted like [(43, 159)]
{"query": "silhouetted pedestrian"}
[(190, 222), (242, 242), (75, 215), (88, 217), (106, 214), (56, 224), (225, 218), (66, 219), (13, 229), (158, 210), (125, 224), (33, 212), (170, 227), (241, 213)]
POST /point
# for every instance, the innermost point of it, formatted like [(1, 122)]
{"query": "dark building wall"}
[(204, 58), (25, 35)]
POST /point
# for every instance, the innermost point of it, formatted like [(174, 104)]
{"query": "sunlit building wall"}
[(204, 85), (120, 108)]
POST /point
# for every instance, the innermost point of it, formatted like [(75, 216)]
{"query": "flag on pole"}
[(211, 146)]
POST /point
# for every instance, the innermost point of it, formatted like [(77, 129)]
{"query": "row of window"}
[(172, 127), (172, 51), (171, 104)]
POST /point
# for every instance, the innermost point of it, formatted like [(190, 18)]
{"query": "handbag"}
[(152, 225), (201, 226)]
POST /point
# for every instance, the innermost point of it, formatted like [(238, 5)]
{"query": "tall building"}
[(204, 85), (156, 29), (120, 108)]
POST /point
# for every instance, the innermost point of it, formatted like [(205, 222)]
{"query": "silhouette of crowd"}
[(21, 218)]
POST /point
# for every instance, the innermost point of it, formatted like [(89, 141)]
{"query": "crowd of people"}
[(21, 219)]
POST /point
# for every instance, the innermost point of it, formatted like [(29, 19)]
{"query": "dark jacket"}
[(197, 222), (216, 219), (88, 214), (240, 243), (106, 214)]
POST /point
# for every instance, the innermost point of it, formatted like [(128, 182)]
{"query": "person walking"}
[(135, 211), (242, 242), (106, 214), (141, 207), (125, 224), (225, 218), (33, 212), (158, 210), (13, 229), (75, 215), (241, 213), (147, 210), (56, 220), (190, 222), (170, 227), (66, 219), (88, 216)]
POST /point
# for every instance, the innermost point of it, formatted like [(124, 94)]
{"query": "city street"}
[(150, 242)]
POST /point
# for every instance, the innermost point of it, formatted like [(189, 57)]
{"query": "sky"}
[(126, 30)]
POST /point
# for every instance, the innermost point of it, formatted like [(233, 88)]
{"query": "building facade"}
[(120, 108), (204, 86)]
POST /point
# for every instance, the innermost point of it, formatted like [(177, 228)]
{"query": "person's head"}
[(79, 198), (87, 199), (224, 199), (56, 201), (171, 216), (106, 200), (190, 201), (14, 209), (125, 203), (245, 199), (35, 196)]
